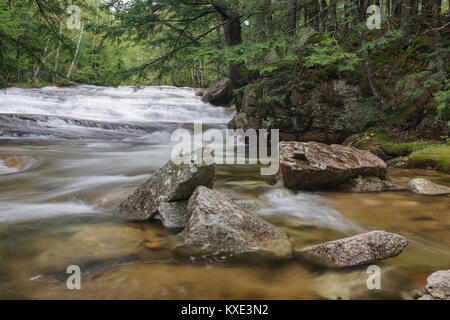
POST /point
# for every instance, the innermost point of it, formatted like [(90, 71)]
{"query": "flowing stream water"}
[(69, 155)]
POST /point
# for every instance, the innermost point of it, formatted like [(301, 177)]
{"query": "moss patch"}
[(436, 157), (386, 145)]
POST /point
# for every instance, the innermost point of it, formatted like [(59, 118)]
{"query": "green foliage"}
[(330, 53), (442, 99)]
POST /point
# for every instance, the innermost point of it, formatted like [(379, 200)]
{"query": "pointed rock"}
[(171, 183), (219, 226)]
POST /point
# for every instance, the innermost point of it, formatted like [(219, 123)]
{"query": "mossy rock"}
[(435, 157), (384, 144)]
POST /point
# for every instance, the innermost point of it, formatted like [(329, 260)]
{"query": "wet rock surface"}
[(174, 215), (171, 183), (315, 166), (219, 93), (369, 184), (219, 226), (426, 187), (398, 162), (329, 113), (361, 249)]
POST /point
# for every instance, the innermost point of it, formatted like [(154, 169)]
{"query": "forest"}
[(191, 43)]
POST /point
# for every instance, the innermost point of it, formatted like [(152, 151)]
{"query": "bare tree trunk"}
[(291, 18), (406, 20), (76, 52), (55, 68), (436, 8), (427, 7), (324, 15), (366, 64), (332, 15), (232, 30), (44, 59), (396, 8), (312, 14)]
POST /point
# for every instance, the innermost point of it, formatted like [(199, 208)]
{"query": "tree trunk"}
[(332, 16), (427, 7), (76, 52), (55, 67), (406, 20), (324, 15), (366, 64), (44, 59), (233, 36), (436, 9), (291, 18), (312, 14), (395, 11)]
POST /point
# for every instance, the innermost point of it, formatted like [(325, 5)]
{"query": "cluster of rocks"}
[(212, 224)]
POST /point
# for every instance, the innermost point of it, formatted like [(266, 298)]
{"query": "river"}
[(69, 155)]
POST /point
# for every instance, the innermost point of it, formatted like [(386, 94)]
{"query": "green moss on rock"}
[(435, 157)]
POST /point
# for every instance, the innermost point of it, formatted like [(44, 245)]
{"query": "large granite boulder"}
[(315, 166), (438, 286), (219, 226), (362, 249), (426, 187), (171, 183), (219, 93)]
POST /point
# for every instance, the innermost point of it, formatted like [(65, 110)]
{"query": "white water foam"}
[(12, 211), (308, 207), (122, 104)]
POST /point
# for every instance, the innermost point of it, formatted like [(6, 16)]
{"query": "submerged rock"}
[(438, 286), (171, 183), (369, 184), (174, 215), (219, 93), (13, 162), (314, 166), (426, 187), (219, 226), (362, 249)]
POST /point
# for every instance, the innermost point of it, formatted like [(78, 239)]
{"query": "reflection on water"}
[(56, 198)]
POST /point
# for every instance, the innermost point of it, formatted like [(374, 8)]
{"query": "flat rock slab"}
[(438, 286), (426, 187), (369, 184), (219, 226), (171, 183), (314, 166), (362, 249)]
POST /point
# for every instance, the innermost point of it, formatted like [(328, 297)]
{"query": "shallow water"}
[(56, 195)]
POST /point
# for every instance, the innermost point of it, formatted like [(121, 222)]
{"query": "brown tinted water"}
[(55, 211)]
